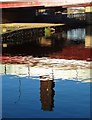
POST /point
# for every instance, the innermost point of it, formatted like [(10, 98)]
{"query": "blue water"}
[(24, 97)]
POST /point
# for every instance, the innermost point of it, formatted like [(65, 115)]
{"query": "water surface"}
[(47, 77), (29, 98)]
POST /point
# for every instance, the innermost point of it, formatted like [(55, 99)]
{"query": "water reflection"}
[(62, 69), (19, 90), (40, 46), (47, 94), (45, 42), (5, 70), (60, 100), (49, 91), (67, 44), (88, 37), (76, 34)]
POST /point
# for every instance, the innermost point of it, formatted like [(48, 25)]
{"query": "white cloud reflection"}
[(76, 70)]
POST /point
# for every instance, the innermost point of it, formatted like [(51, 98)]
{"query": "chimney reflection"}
[(47, 94), (19, 96)]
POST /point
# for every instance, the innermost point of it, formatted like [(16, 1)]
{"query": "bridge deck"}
[(18, 26), (48, 3)]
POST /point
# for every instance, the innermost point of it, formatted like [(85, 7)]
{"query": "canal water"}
[(48, 77)]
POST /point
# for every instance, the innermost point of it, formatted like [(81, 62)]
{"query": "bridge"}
[(47, 3), (20, 10)]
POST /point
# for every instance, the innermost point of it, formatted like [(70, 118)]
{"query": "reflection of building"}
[(45, 42), (65, 68), (76, 34), (88, 38), (47, 95), (88, 11)]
